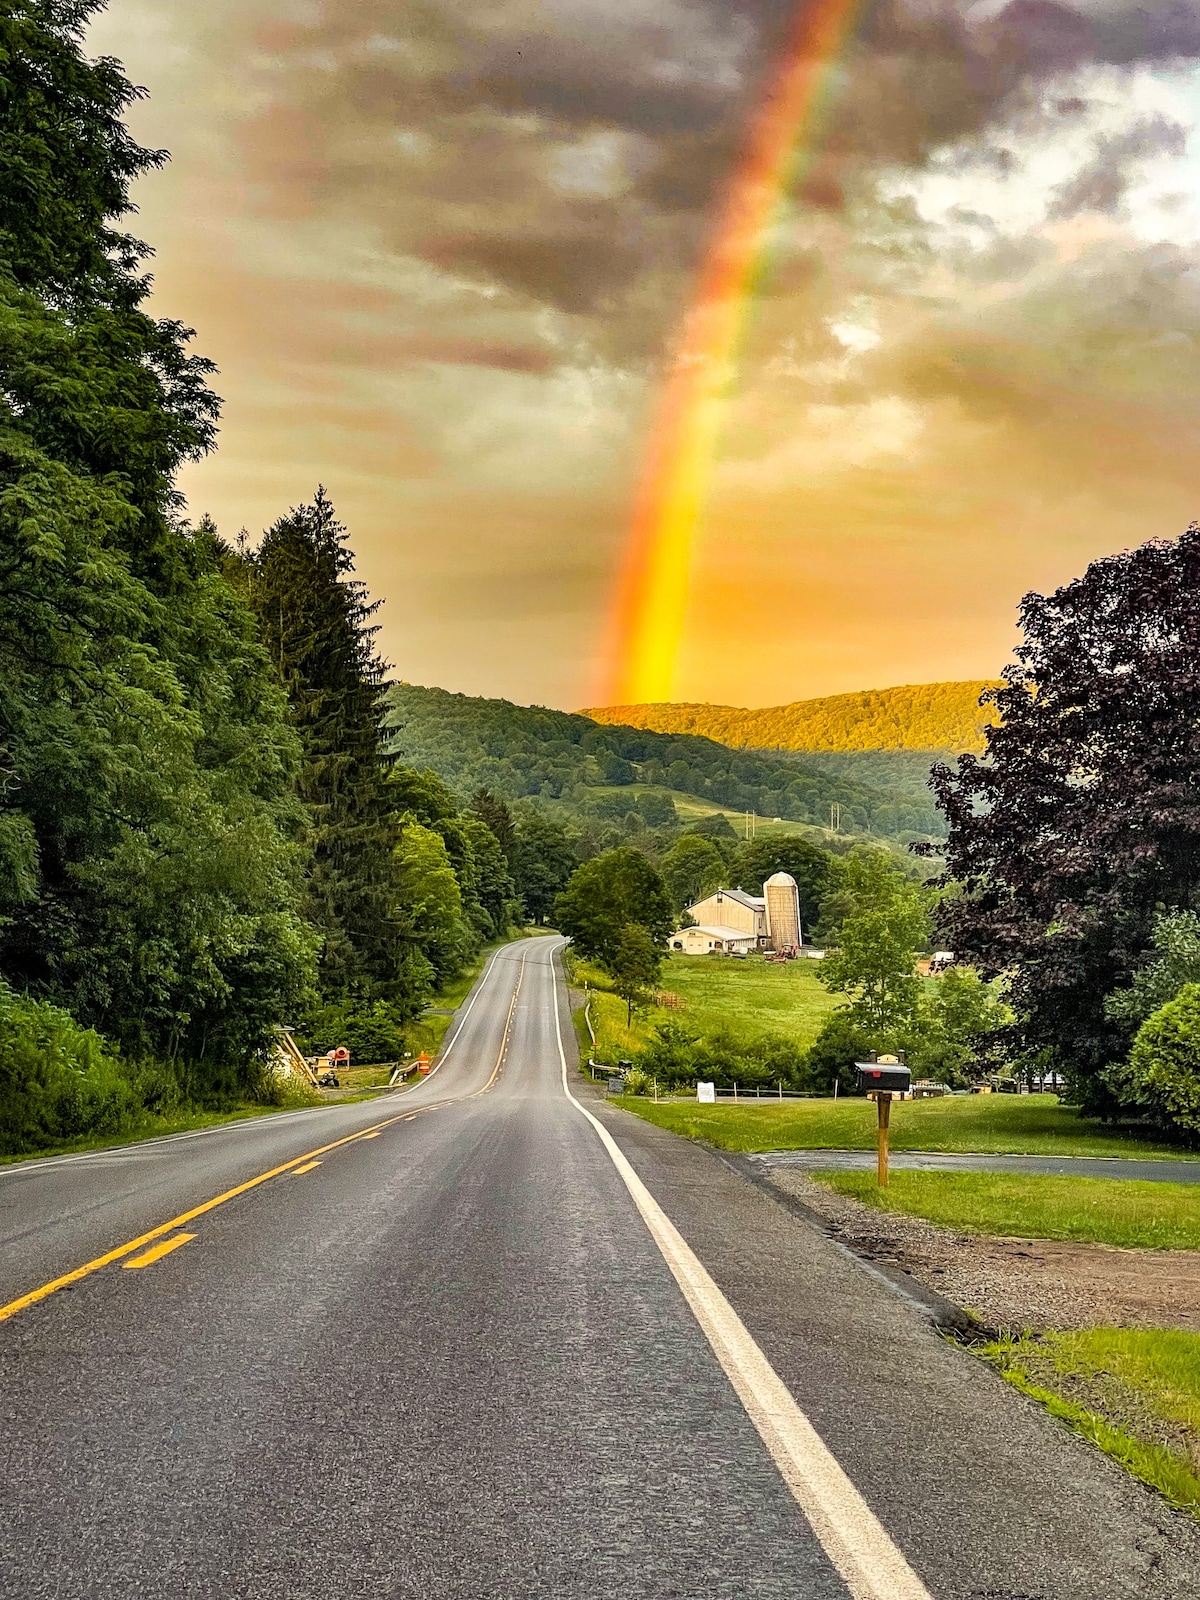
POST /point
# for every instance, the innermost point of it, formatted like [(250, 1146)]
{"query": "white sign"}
[(706, 1094)]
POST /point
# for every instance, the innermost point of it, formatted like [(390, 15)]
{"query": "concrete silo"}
[(783, 911)]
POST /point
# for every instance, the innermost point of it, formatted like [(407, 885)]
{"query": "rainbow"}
[(647, 624)]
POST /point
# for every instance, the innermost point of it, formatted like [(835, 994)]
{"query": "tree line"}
[(916, 717), (203, 833)]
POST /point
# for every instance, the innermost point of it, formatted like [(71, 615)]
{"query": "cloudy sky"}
[(439, 250)]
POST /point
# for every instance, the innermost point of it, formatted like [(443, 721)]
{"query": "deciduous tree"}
[(608, 893), (634, 966), (1081, 823), (691, 868), (875, 961)]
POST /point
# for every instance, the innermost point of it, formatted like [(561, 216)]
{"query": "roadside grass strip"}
[(1134, 1393), (1028, 1124), (1112, 1211)]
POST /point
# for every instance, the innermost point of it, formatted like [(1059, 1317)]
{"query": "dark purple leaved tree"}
[(1083, 816)]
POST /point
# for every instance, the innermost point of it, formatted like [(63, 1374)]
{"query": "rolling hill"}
[(572, 761), (926, 717)]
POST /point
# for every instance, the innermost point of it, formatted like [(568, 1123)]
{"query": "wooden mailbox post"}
[(882, 1078)]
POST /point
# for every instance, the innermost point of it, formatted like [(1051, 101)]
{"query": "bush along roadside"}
[(61, 1083)]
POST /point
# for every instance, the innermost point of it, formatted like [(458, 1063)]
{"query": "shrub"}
[(677, 1056), (831, 1057), (1161, 1079), (60, 1081), (637, 1081)]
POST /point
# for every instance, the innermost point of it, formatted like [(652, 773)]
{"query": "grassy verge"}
[(1133, 1392), (1114, 1211), (1034, 1124)]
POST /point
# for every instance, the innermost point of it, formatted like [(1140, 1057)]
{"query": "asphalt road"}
[(452, 1358)]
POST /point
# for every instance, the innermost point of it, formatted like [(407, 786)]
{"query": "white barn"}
[(768, 921), (706, 941), (733, 908)]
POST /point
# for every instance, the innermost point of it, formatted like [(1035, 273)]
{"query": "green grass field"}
[(1021, 1205), (690, 808), (1133, 1392), (750, 997), (1034, 1124)]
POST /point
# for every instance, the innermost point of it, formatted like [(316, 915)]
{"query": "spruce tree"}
[(316, 621)]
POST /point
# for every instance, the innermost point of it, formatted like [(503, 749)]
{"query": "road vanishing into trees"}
[(493, 1338)]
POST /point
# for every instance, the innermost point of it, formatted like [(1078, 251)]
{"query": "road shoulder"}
[(943, 1450)]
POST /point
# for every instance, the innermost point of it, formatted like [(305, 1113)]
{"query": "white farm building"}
[(770, 921), (704, 941)]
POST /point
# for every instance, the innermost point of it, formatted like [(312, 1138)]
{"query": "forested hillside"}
[(941, 717), (525, 751)]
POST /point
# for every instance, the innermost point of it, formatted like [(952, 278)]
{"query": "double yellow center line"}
[(296, 1166), (47, 1289)]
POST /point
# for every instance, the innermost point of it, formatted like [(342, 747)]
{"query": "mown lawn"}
[(1114, 1211), (1133, 1392), (1034, 1124)]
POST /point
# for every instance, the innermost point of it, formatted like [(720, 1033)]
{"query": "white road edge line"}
[(856, 1542)]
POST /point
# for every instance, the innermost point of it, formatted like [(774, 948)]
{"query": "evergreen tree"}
[(494, 813), (316, 621)]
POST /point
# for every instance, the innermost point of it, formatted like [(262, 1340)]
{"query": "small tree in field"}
[(605, 895), (884, 923), (634, 966)]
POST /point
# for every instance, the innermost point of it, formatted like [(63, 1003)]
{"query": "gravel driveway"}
[(1013, 1284)]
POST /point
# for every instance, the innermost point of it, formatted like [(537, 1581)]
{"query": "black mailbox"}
[(884, 1076)]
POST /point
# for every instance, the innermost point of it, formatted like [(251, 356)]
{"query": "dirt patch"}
[(1017, 1284)]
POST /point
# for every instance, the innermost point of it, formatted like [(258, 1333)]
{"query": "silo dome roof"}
[(782, 880)]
